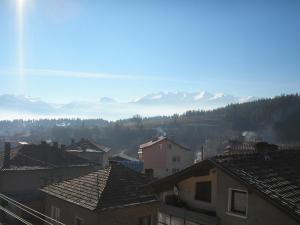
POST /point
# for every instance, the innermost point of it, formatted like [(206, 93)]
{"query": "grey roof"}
[(42, 156), (85, 144), (274, 175), (114, 186)]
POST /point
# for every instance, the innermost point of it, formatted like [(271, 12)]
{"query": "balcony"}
[(171, 214)]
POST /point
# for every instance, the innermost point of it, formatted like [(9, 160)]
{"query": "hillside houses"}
[(90, 151), (253, 186), (25, 170)]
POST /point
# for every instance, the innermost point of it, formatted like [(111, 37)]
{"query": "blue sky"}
[(87, 49)]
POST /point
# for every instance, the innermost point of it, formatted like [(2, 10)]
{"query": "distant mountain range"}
[(161, 103)]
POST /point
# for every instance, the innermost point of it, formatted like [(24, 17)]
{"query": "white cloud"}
[(79, 74)]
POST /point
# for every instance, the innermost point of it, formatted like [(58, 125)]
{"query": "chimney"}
[(55, 144), (6, 160), (63, 147), (72, 141)]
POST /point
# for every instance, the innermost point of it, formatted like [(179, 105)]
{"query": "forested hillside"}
[(275, 119)]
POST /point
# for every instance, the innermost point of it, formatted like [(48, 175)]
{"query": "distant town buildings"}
[(30, 167), (128, 161), (260, 187), (253, 183), (90, 151), (114, 195), (164, 156)]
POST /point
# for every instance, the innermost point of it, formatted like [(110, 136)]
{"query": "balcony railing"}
[(187, 216)]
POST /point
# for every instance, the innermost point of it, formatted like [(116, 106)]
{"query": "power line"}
[(30, 211), (14, 216)]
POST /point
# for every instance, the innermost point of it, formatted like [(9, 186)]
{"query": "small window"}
[(146, 220), (203, 191), (160, 146), (55, 212), (174, 170), (238, 201), (78, 221), (176, 158), (170, 146)]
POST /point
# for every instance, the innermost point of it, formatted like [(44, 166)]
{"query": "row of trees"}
[(274, 119)]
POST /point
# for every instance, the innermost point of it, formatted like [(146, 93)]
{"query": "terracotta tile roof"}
[(114, 186), (275, 175), (43, 156), (152, 142), (159, 139), (84, 144)]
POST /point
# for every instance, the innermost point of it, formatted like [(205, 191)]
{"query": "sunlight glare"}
[(20, 44)]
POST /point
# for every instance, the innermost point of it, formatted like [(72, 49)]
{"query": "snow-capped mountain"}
[(202, 100), (161, 103), (21, 103)]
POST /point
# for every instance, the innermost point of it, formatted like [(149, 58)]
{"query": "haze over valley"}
[(153, 104)]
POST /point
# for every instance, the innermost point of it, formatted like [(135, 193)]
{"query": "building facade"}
[(257, 188), (165, 156)]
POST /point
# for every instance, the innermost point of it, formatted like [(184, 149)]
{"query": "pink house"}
[(165, 156)]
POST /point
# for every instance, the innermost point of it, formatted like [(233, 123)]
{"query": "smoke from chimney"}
[(161, 132)]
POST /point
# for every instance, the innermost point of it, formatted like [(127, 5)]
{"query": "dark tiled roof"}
[(274, 174), (84, 144), (13, 153), (114, 186), (43, 156), (237, 147)]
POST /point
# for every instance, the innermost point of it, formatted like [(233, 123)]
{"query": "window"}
[(55, 212), (170, 146), (176, 158), (78, 221), (174, 170), (237, 202), (146, 220), (160, 146), (203, 191)]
